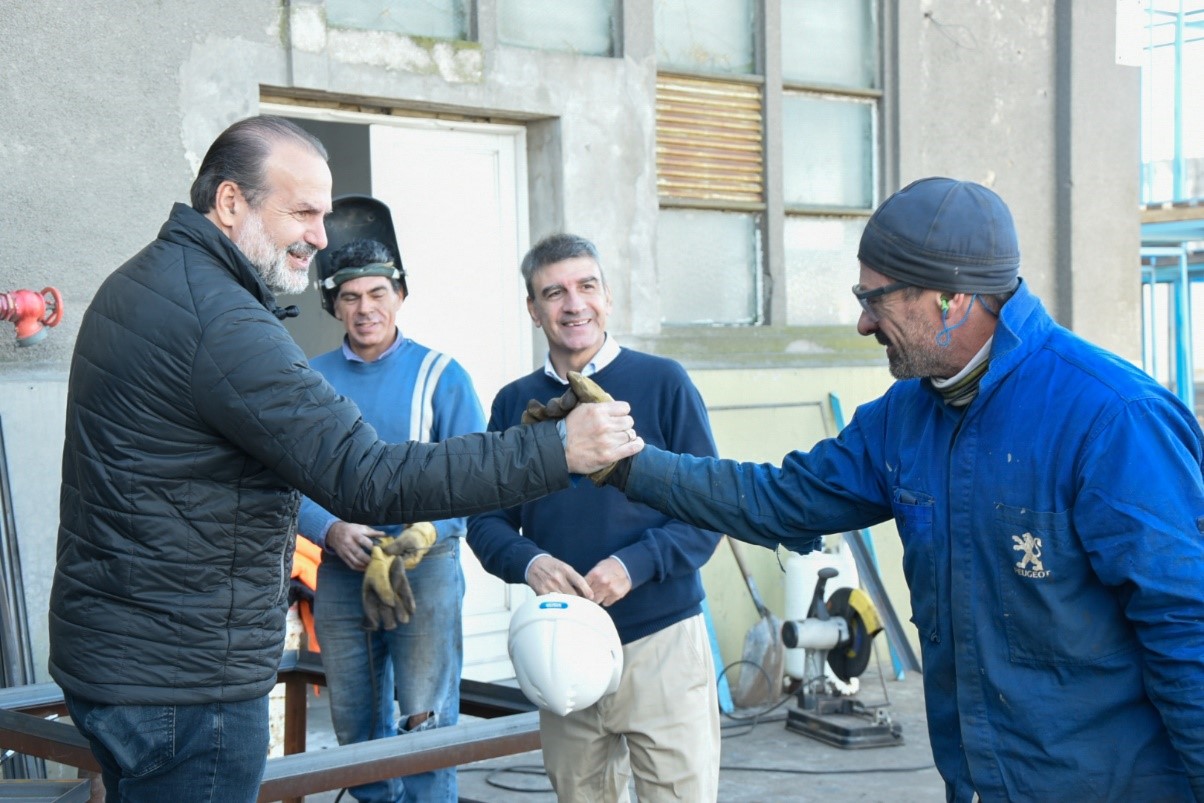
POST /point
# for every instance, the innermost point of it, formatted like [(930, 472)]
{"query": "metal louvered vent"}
[(708, 140)]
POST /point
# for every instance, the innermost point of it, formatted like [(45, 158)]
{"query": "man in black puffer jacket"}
[(192, 421)]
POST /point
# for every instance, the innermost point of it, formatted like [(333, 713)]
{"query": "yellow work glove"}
[(413, 543), (387, 598), (582, 390)]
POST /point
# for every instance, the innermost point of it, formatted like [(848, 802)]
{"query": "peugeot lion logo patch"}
[(1031, 547)]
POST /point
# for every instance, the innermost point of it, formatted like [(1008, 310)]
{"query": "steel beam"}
[(347, 765), (294, 776), (33, 697), (45, 738)]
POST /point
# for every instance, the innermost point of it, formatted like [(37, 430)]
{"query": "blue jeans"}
[(206, 752), (417, 665)]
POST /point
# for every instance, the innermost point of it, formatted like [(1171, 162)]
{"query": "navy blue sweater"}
[(583, 525)]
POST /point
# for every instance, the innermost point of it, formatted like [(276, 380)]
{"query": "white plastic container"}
[(801, 574)]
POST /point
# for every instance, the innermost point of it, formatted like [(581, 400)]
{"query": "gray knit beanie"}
[(944, 234)]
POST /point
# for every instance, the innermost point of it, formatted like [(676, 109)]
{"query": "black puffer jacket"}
[(191, 418)]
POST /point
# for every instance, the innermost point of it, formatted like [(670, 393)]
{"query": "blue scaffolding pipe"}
[(1184, 368), (1180, 277), (1149, 322), (1174, 29), (1180, 169), (1165, 254)]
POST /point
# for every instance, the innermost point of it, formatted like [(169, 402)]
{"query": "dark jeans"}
[(212, 752)]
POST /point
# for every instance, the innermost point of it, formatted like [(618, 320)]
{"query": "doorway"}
[(458, 196)]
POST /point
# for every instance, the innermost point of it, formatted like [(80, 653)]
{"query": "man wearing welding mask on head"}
[(375, 653)]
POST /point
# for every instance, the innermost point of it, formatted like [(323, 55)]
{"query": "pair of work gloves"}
[(582, 390), (388, 600)]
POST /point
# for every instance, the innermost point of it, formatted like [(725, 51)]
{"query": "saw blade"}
[(849, 659)]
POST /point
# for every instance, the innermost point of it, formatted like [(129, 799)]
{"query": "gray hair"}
[(239, 155), (557, 248)]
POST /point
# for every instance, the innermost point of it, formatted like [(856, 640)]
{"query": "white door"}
[(458, 198)]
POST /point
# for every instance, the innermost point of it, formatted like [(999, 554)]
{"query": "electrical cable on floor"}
[(758, 713), (533, 770), (794, 771), (517, 769)]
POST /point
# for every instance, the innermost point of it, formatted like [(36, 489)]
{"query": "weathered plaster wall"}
[(100, 109), (32, 405), (1026, 98), (593, 167)]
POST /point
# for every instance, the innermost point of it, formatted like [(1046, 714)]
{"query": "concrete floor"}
[(762, 761)]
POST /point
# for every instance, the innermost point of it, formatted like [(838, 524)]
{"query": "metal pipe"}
[(1185, 381), (47, 739), (347, 765), (1177, 166), (32, 313), (299, 774)]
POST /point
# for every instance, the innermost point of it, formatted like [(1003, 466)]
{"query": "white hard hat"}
[(566, 652)]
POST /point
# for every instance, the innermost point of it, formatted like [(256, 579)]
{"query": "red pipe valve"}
[(32, 313)]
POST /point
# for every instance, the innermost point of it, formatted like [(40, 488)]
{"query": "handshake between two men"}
[(589, 449)]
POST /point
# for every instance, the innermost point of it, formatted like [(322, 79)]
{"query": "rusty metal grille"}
[(709, 145)]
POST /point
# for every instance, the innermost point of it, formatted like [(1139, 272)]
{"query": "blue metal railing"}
[(1179, 27), (1168, 265), (1169, 256)]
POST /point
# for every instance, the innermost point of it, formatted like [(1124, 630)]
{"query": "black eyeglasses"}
[(864, 297)]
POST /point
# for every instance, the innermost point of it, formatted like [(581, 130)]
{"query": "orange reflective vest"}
[(306, 557)]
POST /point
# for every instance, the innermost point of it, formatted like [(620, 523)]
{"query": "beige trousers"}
[(662, 725)]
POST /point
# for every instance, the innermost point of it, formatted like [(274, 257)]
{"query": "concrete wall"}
[(32, 405), (1027, 98), (109, 106)]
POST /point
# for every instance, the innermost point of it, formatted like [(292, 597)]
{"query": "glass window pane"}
[(830, 43), (581, 26), (714, 36), (821, 266), (828, 151), (709, 267), (439, 19)]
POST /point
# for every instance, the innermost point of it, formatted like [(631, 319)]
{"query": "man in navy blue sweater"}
[(642, 566)]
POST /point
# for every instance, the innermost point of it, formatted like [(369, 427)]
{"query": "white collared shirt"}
[(605, 356)]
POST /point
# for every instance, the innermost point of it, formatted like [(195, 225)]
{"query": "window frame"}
[(772, 208)]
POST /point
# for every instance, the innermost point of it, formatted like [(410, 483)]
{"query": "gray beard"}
[(271, 262), (917, 361)]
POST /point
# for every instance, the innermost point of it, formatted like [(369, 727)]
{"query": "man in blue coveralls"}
[(1050, 501)]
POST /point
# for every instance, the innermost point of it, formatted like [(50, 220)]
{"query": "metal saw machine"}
[(839, 633)]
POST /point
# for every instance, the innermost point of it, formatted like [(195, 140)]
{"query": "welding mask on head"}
[(357, 217), (566, 652)]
